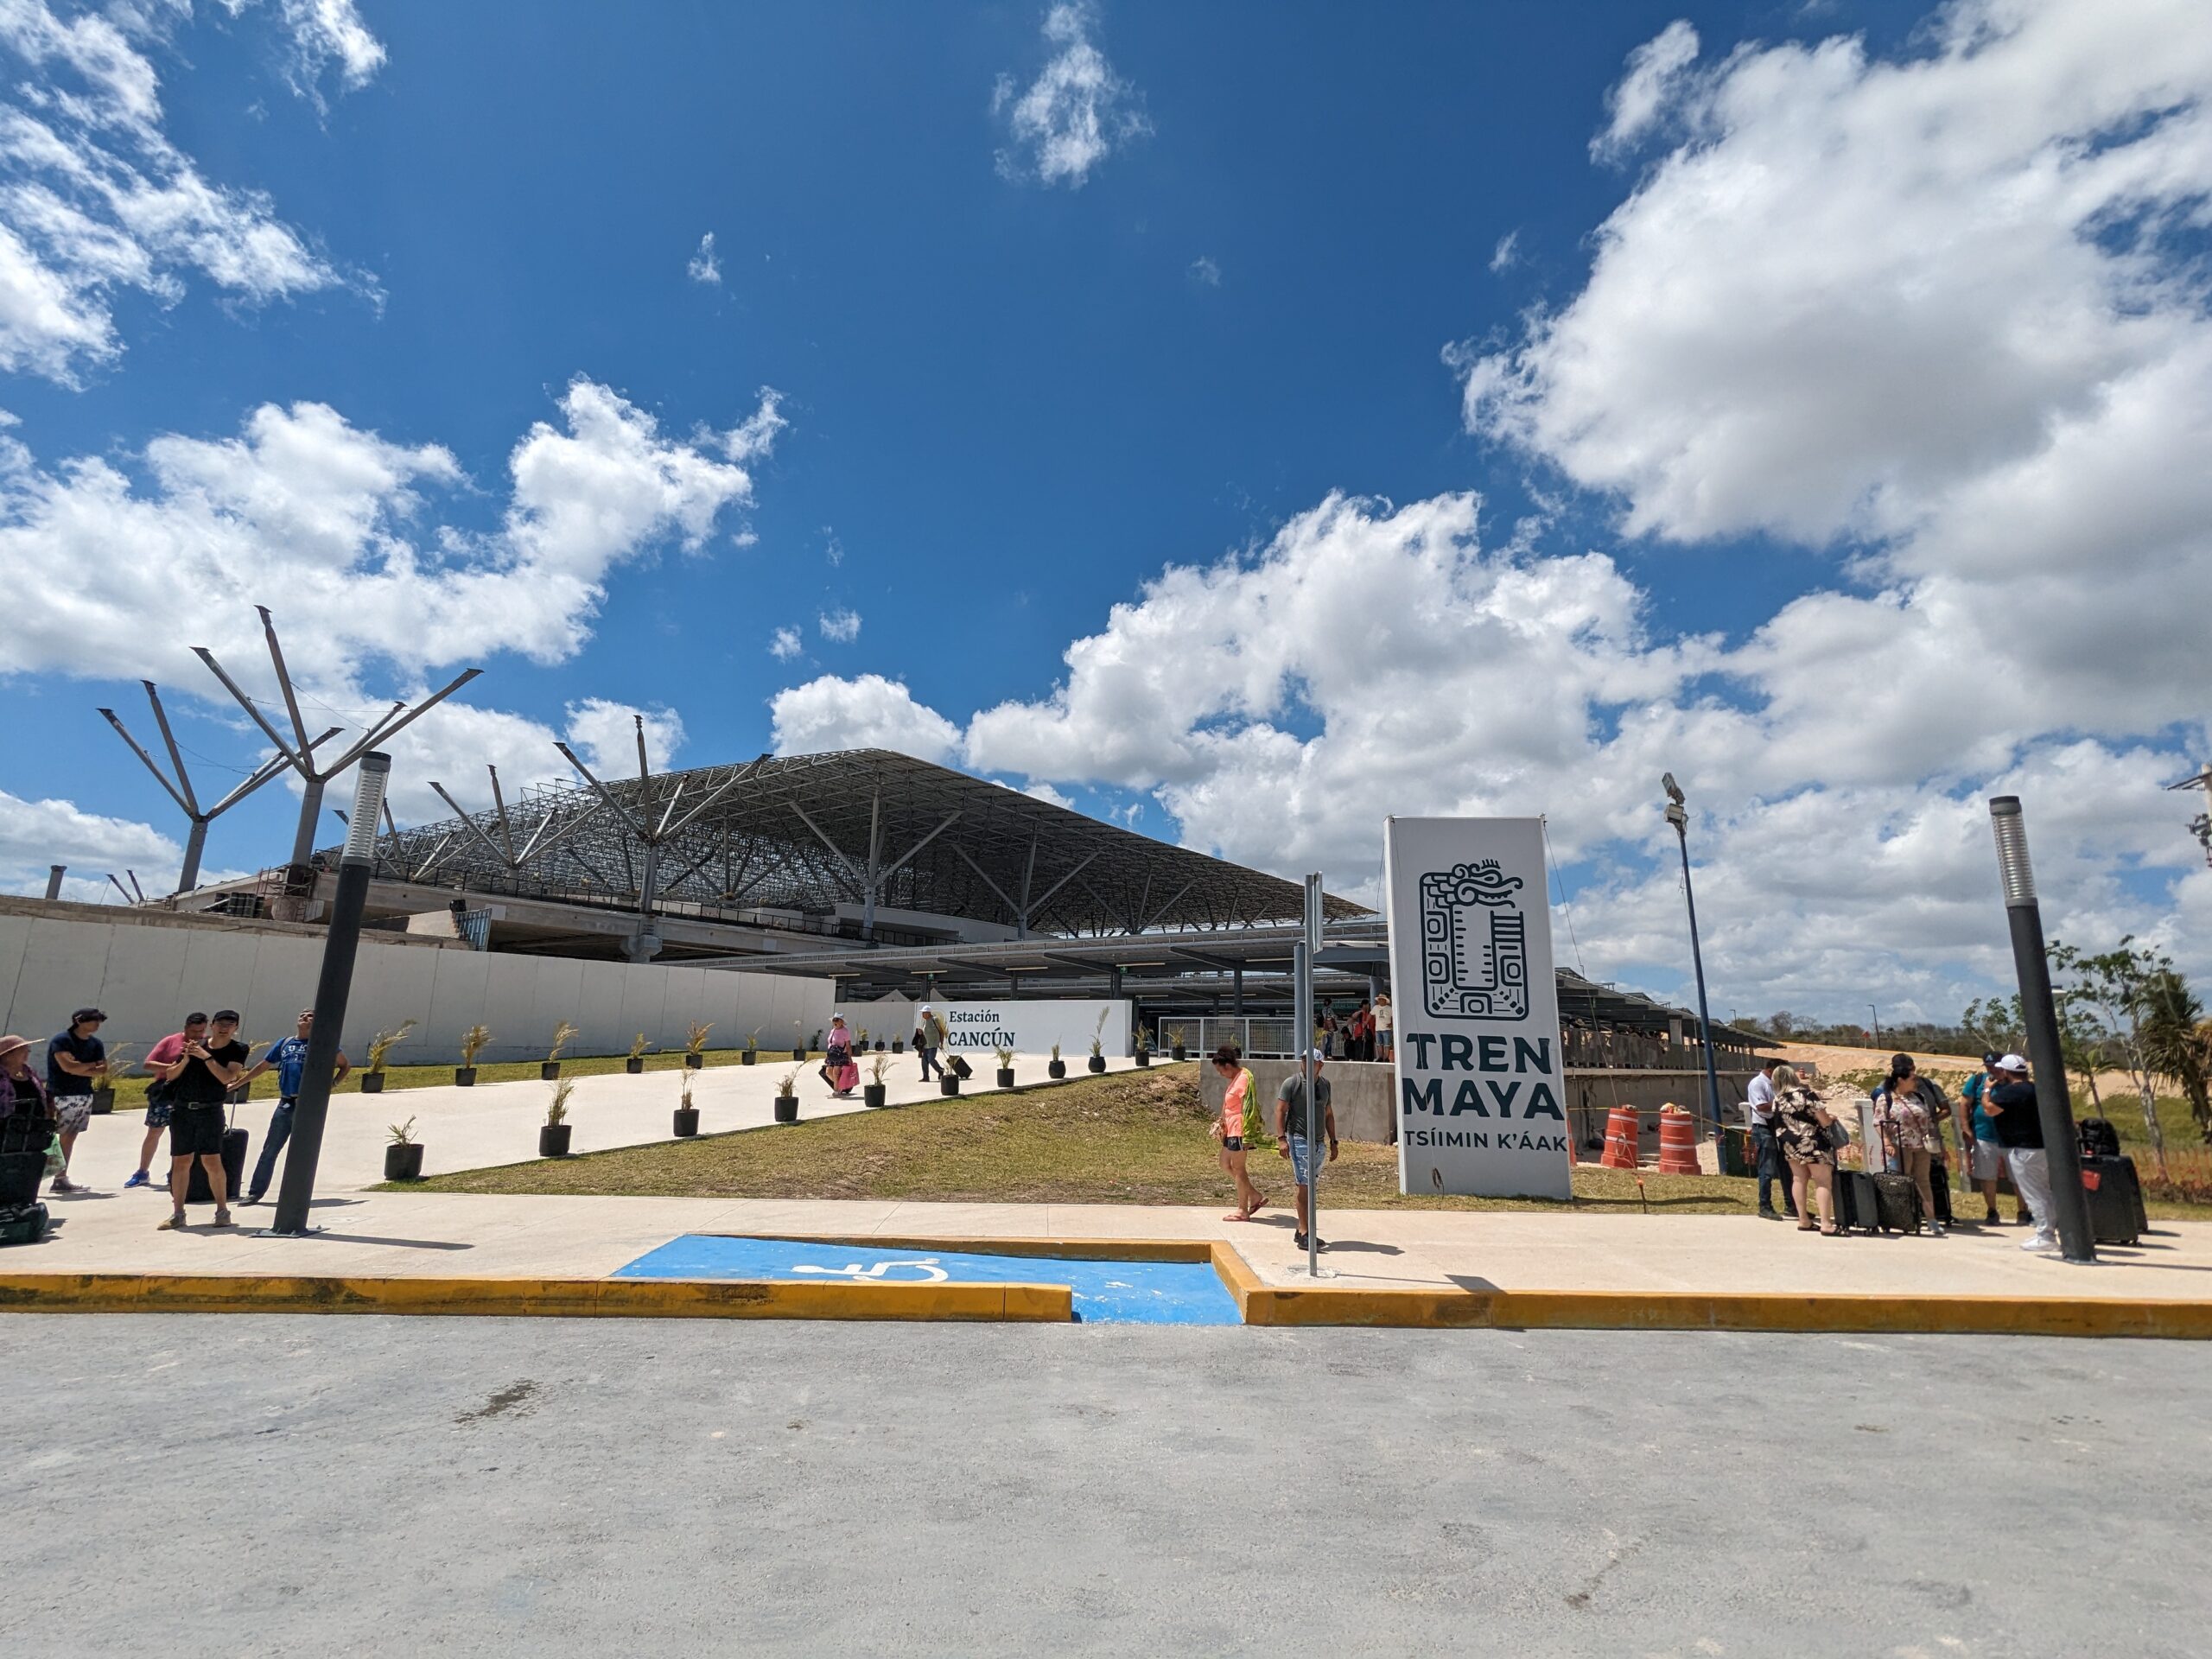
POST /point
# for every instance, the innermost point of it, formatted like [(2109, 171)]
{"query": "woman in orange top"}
[(1240, 1117)]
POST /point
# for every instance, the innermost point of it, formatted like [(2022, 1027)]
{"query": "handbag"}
[(1836, 1135)]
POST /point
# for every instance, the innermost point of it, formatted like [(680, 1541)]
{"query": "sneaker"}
[(1933, 1230), (250, 1200), (223, 1219), (2039, 1241), (174, 1224), (1992, 1220), (1321, 1245), (1770, 1214), (139, 1179), (1298, 1239)]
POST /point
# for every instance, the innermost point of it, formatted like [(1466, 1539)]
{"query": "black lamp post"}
[(339, 947), (1678, 817), (2039, 1012)]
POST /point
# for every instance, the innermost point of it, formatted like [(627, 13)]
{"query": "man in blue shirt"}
[(1978, 1141), (289, 1057)]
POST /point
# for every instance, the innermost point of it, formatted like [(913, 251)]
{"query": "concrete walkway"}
[(498, 1123), (434, 1235)]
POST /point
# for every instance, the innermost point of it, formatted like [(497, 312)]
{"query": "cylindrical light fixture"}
[(368, 805)]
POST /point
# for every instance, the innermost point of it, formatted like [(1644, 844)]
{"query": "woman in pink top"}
[(1239, 1118)]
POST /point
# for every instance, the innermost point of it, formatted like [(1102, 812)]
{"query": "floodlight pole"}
[(342, 944), (1678, 817), (2039, 1014)]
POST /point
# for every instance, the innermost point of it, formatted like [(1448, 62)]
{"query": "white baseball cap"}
[(2010, 1063)]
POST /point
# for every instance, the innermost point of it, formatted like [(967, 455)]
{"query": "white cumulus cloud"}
[(325, 36), (842, 625), (1076, 112), (785, 645), (704, 267), (868, 712)]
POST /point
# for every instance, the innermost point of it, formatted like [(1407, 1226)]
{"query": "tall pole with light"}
[(1678, 815), (339, 947), (1875, 1014), (2039, 1014)]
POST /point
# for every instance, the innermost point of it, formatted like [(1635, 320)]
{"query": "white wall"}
[(1028, 1027), (148, 975)]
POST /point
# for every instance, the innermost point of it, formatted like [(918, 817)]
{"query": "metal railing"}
[(1255, 1039)]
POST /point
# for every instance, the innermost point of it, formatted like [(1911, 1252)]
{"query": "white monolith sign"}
[(1482, 1089)]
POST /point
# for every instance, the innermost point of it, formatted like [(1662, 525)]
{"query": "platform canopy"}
[(865, 829)]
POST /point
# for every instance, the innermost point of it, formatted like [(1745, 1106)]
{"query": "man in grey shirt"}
[(1295, 1138)]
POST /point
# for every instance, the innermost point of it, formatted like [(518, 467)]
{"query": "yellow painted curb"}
[(698, 1299)]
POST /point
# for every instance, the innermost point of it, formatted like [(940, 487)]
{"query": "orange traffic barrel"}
[(1677, 1141), (1620, 1139)]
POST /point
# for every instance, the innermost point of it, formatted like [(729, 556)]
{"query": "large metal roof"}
[(813, 833)]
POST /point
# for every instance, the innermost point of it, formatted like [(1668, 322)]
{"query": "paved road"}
[(183, 1486)]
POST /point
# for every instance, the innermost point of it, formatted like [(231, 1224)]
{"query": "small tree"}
[(2177, 1040), (564, 1034), (2112, 990)]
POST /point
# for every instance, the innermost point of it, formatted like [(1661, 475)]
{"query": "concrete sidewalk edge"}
[(661, 1299)]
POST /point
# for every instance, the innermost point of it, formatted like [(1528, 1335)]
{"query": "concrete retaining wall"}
[(1361, 1093), (147, 968)]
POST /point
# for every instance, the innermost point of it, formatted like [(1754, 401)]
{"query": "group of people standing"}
[(1795, 1137), (1302, 1129), (1362, 1034), (191, 1074)]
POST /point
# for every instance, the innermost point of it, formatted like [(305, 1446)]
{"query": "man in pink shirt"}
[(166, 1053)]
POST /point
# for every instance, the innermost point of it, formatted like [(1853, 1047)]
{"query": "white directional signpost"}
[(1481, 1083)]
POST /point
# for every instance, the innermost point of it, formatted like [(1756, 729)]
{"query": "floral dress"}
[(1905, 1118), (1798, 1130)]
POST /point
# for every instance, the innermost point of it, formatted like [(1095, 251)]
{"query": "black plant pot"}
[(899, 1045), (633, 1067), (403, 1163), (1144, 1057), (1005, 1077), (687, 1122), (1098, 1063), (1056, 1068), (693, 1062), (553, 1140), (464, 1077), (102, 1101), (872, 1094), (373, 1084), (1181, 1053), (745, 1057), (948, 1085), (799, 1054), (786, 1109), (879, 1044), (549, 1070)]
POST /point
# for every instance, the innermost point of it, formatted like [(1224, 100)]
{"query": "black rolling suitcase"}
[(1857, 1209), (235, 1141), (2115, 1196), (1897, 1202)]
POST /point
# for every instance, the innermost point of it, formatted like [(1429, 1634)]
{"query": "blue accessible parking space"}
[(1105, 1292)]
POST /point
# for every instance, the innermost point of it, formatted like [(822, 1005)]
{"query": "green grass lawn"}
[(130, 1091), (1132, 1138)]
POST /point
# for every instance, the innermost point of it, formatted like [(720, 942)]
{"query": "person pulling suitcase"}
[(200, 1080)]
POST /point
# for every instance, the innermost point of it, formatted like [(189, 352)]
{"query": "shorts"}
[(1232, 1143), (1988, 1160), (157, 1114), (197, 1132), (1301, 1160), (75, 1110)]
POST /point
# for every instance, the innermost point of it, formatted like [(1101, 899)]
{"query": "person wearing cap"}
[(1296, 1140), (1978, 1145), (162, 1063), (2011, 1106), (200, 1081), (929, 1038), (289, 1060), (76, 1063)]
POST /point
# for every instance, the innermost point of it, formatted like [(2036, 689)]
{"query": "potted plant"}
[(1175, 1042), (949, 1082), (799, 1050), (562, 1033), (860, 1042), (1005, 1052), (897, 1044), (553, 1138), (751, 1053), (1098, 1043), (787, 1097), (873, 1094), (695, 1044), (380, 1046), (403, 1157), (1056, 1067), (1143, 1047), (472, 1044), (687, 1115), (118, 1062), (634, 1061)]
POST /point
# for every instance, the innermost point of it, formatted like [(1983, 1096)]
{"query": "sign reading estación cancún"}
[(1481, 1085)]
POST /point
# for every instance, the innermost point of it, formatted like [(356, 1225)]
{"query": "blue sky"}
[(1011, 397)]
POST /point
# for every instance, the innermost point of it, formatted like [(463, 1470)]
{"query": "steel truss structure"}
[(867, 829)]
